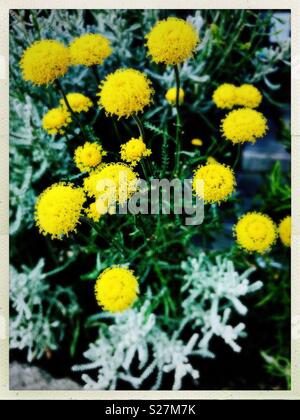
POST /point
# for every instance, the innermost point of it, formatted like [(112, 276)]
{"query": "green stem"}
[(96, 75), (101, 233), (144, 170), (178, 121), (237, 156), (140, 127), (61, 91)]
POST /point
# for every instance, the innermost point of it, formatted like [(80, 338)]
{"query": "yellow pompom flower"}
[(44, 61), (255, 232), (116, 289), (89, 50), (96, 210), (88, 156), (58, 209), (77, 101), (171, 96), (211, 159), (55, 120), (172, 41), (284, 230), (115, 181), (248, 96), (244, 124), (225, 96), (214, 182), (134, 150), (125, 92), (196, 142)]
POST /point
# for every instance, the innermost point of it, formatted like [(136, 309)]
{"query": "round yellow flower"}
[(284, 230), (255, 232), (88, 156), (55, 120), (196, 142), (94, 211), (115, 181), (248, 96), (225, 96), (211, 159), (134, 150), (172, 41), (89, 49), (44, 61), (125, 92), (244, 124), (214, 182), (116, 289), (58, 209), (78, 102), (171, 96)]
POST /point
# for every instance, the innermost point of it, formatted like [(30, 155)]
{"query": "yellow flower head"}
[(225, 96), (248, 96), (116, 289), (171, 96), (44, 61), (94, 212), (88, 156), (172, 41), (58, 209), (244, 124), (78, 102), (134, 150), (284, 230), (125, 92), (55, 120), (255, 232), (196, 142), (89, 49), (116, 182), (214, 182)]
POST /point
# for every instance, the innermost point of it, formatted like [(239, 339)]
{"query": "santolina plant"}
[(144, 192)]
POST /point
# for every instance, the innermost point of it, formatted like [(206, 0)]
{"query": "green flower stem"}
[(96, 75), (106, 238), (61, 91), (238, 155), (140, 127), (178, 122), (142, 135), (143, 166)]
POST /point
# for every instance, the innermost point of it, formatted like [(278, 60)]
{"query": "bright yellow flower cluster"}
[(95, 210), (171, 96), (134, 150), (197, 142), (77, 101), (116, 182), (89, 50), (228, 95), (225, 96), (284, 230), (55, 120), (244, 124), (172, 41), (255, 232), (125, 93), (58, 209), (248, 96), (44, 61), (214, 182), (88, 156), (116, 289)]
